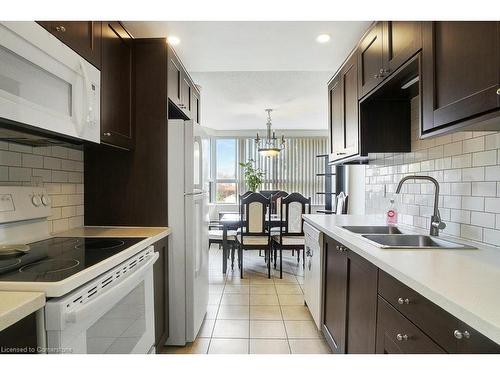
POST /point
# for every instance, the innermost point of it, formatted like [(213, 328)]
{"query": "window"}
[(226, 183)]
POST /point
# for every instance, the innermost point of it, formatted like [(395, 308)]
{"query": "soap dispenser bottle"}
[(392, 213)]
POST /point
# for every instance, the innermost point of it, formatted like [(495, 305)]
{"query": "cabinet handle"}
[(401, 337), (460, 335), (341, 153), (107, 134), (498, 91), (182, 106), (403, 301), (341, 249), (60, 29), (376, 76)]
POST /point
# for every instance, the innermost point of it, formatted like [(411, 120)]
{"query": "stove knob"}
[(46, 201), (36, 200)]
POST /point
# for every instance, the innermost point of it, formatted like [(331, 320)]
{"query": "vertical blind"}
[(295, 169)]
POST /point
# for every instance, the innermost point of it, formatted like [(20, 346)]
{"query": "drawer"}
[(396, 334), (430, 318)]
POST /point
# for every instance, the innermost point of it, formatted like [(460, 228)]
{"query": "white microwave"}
[(46, 85)]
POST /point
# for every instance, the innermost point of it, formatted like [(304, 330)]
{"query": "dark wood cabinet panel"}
[(349, 76), (195, 106), (397, 335), (461, 72), (116, 86), (186, 88), (84, 37), (174, 78), (402, 40), (335, 296), (361, 305), (370, 60), (472, 342), (160, 274), (335, 117)]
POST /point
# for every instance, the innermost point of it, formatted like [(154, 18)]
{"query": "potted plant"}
[(253, 176)]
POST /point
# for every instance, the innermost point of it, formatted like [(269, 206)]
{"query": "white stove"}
[(99, 290)]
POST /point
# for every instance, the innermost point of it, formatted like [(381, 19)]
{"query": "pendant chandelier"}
[(270, 145)]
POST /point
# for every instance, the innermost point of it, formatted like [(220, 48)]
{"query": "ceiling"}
[(245, 67)]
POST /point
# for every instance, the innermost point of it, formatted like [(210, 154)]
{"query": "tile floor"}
[(256, 315)]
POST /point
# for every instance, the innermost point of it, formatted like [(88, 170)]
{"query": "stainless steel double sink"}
[(390, 237)]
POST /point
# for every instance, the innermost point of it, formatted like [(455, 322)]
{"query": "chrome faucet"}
[(436, 223)]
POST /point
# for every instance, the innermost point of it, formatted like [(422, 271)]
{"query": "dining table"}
[(232, 221)]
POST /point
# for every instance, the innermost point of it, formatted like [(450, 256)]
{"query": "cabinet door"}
[(396, 334), (195, 106), (461, 70), (402, 39), (335, 297), (361, 305), (84, 37), (186, 90), (336, 123), (116, 86), (350, 106), (174, 79), (370, 60)]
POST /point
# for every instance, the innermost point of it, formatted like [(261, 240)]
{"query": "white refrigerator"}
[(188, 161)]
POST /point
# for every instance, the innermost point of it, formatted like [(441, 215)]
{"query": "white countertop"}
[(466, 283), (59, 288), (15, 306)]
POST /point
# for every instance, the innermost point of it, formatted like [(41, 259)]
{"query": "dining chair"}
[(291, 236), (215, 236), (253, 233)]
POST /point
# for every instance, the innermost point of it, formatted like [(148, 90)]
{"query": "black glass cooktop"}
[(60, 257)]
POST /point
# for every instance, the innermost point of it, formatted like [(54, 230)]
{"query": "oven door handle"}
[(112, 295)]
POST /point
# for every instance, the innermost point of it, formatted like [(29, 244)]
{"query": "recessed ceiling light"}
[(323, 38), (173, 40)]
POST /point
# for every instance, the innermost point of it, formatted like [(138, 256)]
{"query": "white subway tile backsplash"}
[(480, 159), (58, 169), (467, 166)]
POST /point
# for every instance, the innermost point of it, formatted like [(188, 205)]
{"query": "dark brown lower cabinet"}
[(160, 282), (397, 335), (350, 301)]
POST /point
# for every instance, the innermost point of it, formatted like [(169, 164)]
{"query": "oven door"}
[(113, 314), (45, 84)]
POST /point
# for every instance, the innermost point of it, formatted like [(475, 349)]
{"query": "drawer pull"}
[(403, 301), (401, 337), (461, 335)]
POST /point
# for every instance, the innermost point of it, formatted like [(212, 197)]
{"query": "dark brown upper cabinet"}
[(195, 106), (371, 60), (116, 86), (386, 47), (84, 37), (461, 75), (343, 116), (184, 97)]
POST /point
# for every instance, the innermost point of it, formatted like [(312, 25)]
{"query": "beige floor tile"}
[(287, 278), (199, 346), (212, 311), (296, 313), (235, 299), (216, 279), (206, 328), (234, 312), (237, 280), (288, 289), (300, 329), (214, 299), (291, 299), (309, 346), (267, 329), (238, 329), (228, 346), (237, 289), (264, 300), (262, 289), (216, 288), (264, 346), (265, 313), (300, 280)]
